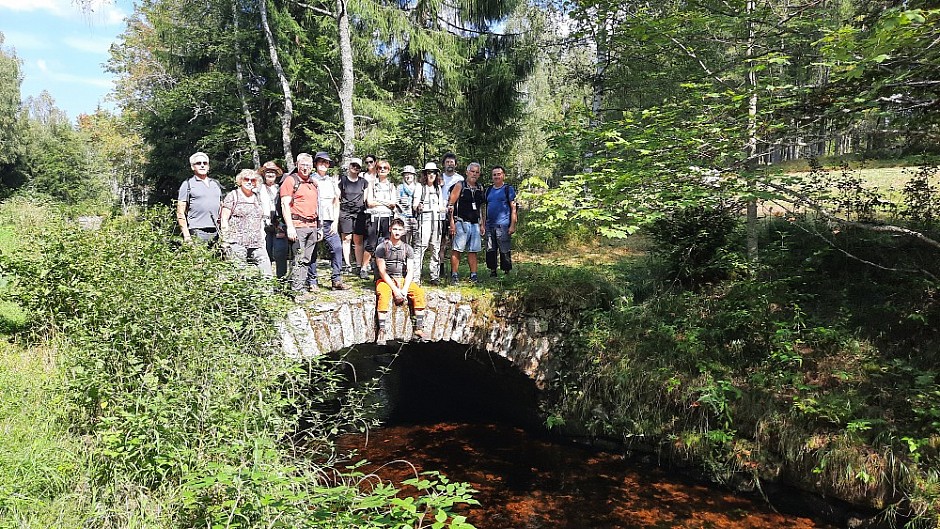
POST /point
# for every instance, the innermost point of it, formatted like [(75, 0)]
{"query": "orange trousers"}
[(383, 293)]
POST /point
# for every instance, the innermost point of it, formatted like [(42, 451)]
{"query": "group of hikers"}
[(370, 226)]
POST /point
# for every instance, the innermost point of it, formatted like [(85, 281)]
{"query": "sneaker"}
[(380, 338), (474, 279), (339, 285), (345, 270), (418, 336), (313, 287), (492, 273), (435, 281), (363, 273), (454, 279)]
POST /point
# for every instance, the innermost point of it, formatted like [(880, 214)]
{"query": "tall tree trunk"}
[(346, 81), (288, 114), (249, 121), (601, 60), (751, 145)]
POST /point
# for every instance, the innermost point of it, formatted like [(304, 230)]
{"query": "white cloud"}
[(94, 11), (21, 40), (89, 45), (53, 75)]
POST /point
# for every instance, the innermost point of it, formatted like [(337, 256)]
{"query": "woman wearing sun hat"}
[(275, 238), (430, 208)]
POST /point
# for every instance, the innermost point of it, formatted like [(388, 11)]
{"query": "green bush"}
[(698, 244)]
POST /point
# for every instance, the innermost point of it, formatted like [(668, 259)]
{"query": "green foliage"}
[(171, 378), (10, 79), (921, 205), (795, 368), (698, 244)]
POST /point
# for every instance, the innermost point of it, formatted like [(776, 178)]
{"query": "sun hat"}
[(270, 166)]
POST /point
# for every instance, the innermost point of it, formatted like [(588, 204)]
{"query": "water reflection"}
[(530, 483)]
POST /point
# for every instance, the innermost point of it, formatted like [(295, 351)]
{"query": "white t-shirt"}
[(328, 190), (449, 182)]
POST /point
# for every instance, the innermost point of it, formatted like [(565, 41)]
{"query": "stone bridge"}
[(348, 319)]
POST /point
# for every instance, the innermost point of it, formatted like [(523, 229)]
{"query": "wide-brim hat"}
[(408, 169), (430, 166), (322, 156), (270, 166)]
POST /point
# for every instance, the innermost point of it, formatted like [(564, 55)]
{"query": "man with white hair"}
[(467, 221), (198, 202), (300, 204)]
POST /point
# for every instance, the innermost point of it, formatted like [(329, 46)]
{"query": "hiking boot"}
[(313, 287), (339, 285), (474, 279), (380, 339), (492, 273), (363, 273), (303, 297), (454, 279), (435, 281)]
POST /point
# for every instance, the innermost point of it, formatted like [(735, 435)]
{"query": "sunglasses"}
[(251, 179), (370, 162), (385, 168), (201, 163)]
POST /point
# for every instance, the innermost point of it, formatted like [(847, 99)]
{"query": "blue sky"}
[(63, 48)]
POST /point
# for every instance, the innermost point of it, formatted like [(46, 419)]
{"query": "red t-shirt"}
[(305, 205)]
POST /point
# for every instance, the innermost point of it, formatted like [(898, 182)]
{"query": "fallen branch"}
[(826, 214)]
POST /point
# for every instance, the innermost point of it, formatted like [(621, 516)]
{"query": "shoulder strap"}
[(296, 184)]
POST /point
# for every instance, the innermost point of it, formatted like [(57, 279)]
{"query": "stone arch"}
[(526, 340)]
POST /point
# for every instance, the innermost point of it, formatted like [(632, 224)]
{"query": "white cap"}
[(357, 161), (408, 169)]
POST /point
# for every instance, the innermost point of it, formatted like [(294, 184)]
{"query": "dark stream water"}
[(527, 482), (458, 411)]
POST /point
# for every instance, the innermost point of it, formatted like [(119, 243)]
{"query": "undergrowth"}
[(819, 368), (165, 398)]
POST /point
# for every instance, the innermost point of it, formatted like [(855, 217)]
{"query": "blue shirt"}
[(498, 211)]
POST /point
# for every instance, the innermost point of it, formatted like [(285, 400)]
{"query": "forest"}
[(774, 316)]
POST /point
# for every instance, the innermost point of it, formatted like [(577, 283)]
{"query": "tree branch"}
[(315, 9), (826, 214), (701, 63)]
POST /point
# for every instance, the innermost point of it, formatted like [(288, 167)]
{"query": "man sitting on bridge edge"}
[(395, 281)]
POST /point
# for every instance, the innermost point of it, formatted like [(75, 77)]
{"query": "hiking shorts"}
[(355, 222), (467, 237)]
